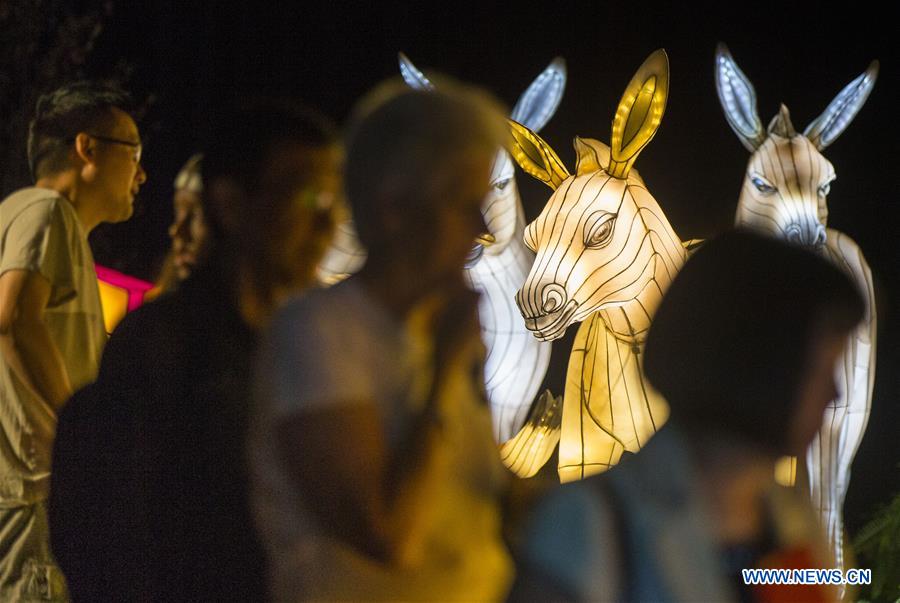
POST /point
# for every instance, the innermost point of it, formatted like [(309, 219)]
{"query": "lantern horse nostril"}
[(554, 298), (811, 237), (820, 237)]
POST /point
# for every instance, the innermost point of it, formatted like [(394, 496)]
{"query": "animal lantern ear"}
[(838, 115), (539, 102), (411, 75), (738, 99), (535, 156), (639, 113), (592, 154), (781, 124)]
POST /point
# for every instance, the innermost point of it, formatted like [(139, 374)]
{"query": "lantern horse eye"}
[(762, 186), (599, 231)]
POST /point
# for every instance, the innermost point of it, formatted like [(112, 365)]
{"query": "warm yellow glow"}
[(609, 408), (786, 470), (592, 155), (119, 294), (639, 113), (530, 449), (535, 156), (115, 304)]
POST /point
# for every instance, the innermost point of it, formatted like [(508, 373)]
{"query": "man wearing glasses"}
[(84, 151)]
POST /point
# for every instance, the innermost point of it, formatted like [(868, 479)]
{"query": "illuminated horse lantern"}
[(516, 362), (784, 194), (605, 255)]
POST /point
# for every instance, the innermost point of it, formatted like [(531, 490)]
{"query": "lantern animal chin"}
[(552, 325)]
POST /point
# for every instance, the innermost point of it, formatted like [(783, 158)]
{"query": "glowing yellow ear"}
[(535, 156), (639, 113)]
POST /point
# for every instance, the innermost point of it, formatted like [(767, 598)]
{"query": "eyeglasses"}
[(137, 146)]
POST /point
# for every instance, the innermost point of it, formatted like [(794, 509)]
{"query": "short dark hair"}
[(59, 116), (401, 140), (243, 139), (731, 340)]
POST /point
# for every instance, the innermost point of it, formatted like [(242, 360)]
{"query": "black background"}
[(195, 58)]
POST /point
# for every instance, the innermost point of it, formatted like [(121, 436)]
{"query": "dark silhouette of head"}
[(271, 177), (736, 336), (413, 154)]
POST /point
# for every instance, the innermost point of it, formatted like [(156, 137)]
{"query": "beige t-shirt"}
[(40, 232)]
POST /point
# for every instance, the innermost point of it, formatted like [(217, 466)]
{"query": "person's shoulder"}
[(569, 535), (572, 499), (316, 297), (32, 194), (316, 305), (163, 308), (793, 517), (155, 325), (33, 199), (566, 513)]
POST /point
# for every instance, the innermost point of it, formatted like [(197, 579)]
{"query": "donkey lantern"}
[(784, 194), (605, 255)]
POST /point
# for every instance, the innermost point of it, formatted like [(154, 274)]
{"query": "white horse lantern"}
[(516, 363), (784, 194), (605, 255)]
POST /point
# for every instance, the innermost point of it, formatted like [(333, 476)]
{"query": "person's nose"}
[(179, 229), (141, 175)]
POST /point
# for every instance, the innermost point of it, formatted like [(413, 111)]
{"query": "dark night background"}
[(194, 59)]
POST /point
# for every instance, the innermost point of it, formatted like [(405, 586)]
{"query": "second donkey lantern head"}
[(787, 179), (597, 238)]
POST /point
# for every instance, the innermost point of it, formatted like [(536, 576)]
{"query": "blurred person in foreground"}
[(744, 347), (150, 496), (84, 151), (376, 476)]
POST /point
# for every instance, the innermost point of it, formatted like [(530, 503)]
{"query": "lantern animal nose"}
[(553, 298), (820, 237), (810, 236)]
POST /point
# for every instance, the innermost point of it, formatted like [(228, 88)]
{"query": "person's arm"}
[(372, 497), (340, 461), (25, 342)]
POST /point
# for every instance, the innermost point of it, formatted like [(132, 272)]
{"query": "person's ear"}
[(86, 148)]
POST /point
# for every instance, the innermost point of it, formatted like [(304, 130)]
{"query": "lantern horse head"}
[(605, 253), (602, 241), (787, 179)]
